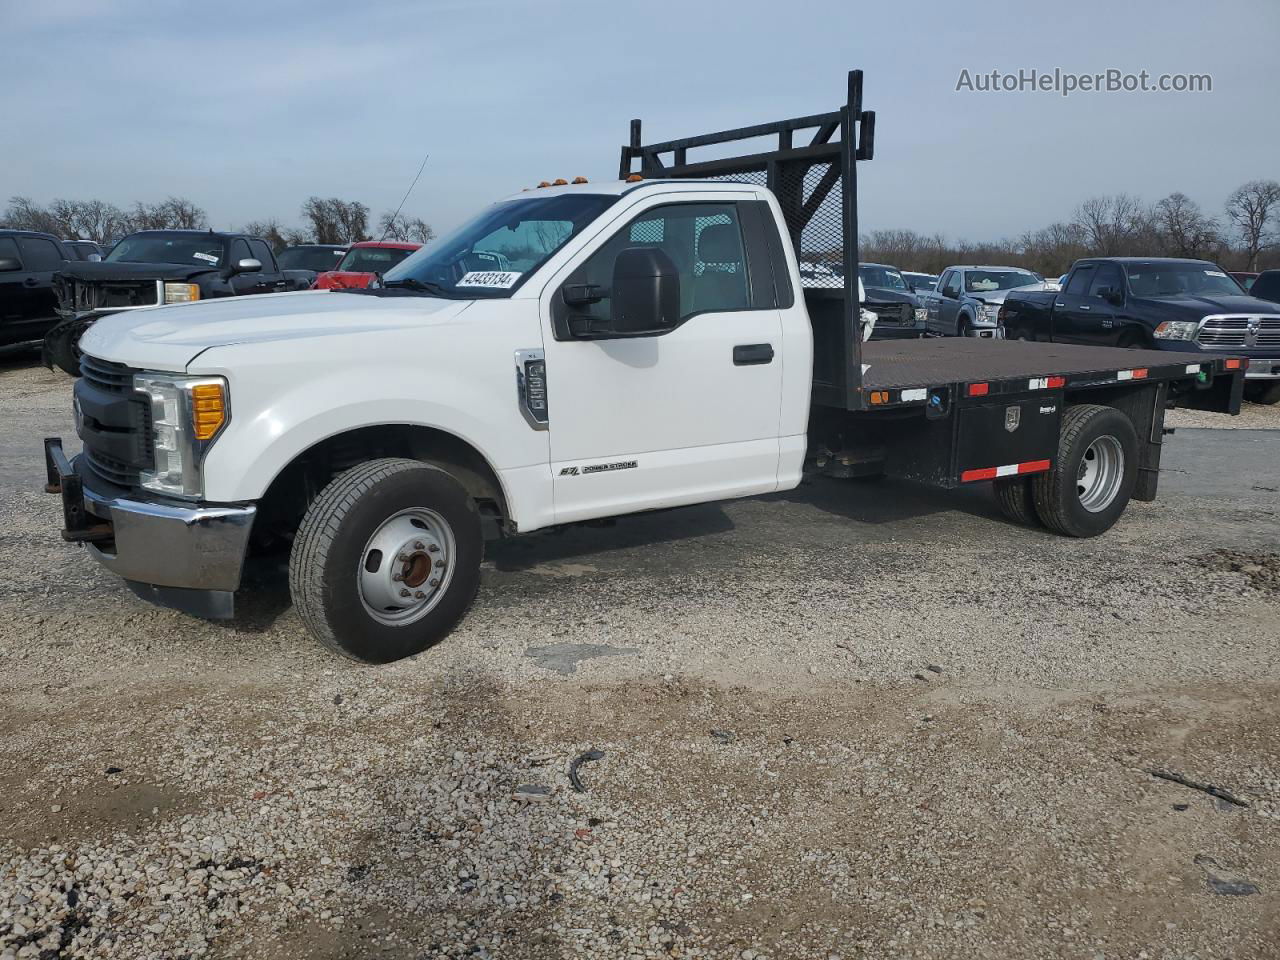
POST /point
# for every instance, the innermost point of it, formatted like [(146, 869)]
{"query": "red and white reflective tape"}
[(1139, 374), (1046, 383), (1009, 470)]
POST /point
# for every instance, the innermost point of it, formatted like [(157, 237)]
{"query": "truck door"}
[(270, 279), (1100, 326), (1073, 309), (948, 301), (683, 416), (41, 258)]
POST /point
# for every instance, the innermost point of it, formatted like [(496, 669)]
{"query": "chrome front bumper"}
[(1268, 369), (155, 545)]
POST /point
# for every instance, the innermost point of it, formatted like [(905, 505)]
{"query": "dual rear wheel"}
[(1091, 481)]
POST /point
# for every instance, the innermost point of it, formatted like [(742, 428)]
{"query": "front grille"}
[(130, 431), (902, 313), (88, 295), (115, 377), (1242, 332)]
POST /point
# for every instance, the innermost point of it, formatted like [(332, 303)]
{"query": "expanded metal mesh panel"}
[(812, 202), (815, 215)]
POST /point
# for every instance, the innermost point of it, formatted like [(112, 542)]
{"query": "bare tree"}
[(1251, 209), (269, 230), (174, 213), (23, 213), (1183, 230), (1112, 225), (334, 220), (404, 228), (294, 236)]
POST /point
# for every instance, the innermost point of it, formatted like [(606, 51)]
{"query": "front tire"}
[(1267, 394), (1094, 474), (386, 560)]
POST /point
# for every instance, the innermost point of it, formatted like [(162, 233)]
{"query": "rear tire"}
[(1094, 474), (1016, 501), (1267, 394), (386, 560)]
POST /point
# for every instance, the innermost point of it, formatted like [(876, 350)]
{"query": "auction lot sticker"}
[(493, 279)]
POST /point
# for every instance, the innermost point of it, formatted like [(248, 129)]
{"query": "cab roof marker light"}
[(978, 389), (634, 178), (579, 179), (560, 182)]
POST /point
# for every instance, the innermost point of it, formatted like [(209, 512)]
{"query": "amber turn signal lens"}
[(634, 178), (208, 410)]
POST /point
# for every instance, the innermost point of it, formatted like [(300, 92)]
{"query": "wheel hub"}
[(406, 566), (1101, 474)]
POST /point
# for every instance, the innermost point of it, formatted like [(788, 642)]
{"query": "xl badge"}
[(1012, 417)]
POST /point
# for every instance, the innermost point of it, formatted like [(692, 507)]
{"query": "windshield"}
[(310, 258), (922, 281), (885, 277), (984, 281), (371, 259), (185, 248), (1179, 280), (492, 254)]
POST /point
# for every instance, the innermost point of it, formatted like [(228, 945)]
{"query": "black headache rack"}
[(812, 169)]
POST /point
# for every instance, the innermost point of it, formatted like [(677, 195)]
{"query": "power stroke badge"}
[(598, 468)]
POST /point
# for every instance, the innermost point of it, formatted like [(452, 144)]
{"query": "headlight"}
[(187, 413), (990, 311), (181, 292), (921, 314), (1177, 330)]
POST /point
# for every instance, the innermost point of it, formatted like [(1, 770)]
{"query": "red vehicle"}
[(362, 262)]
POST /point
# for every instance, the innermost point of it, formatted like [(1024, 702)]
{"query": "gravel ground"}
[(855, 720)]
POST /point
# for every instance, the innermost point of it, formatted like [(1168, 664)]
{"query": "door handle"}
[(30, 282), (749, 354), (1058, 303), (1085, 306)]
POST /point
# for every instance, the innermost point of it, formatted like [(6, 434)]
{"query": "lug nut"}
[(435, 583), (434, 548), (397, 577), (439, 564), (419, 595), (404, 593), (417, 545), (403, 558)]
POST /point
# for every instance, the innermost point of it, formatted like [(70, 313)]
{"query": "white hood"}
[(169, 338)]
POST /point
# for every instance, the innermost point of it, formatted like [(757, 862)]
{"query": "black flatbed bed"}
[(938, 361)]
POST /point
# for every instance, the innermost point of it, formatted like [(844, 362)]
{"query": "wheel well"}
[(281, 508)]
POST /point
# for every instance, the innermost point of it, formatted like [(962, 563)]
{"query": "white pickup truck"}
[(575, 351)]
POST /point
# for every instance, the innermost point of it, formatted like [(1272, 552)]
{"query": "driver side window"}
[(952, 287), (703, 240)]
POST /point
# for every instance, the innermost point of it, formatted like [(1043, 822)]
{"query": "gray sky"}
[(248, 108)]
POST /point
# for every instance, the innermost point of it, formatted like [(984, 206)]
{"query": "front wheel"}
[(1089, 485), (387, 560), (1267, 394)]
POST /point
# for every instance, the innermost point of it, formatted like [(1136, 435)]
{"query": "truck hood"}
[(887, 295), (1193, 308), (998, 296), (91, 272), (169, 338)]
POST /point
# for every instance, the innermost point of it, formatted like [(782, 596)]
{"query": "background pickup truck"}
[(157, 267), (28, 306), (889, 296), (966, 301), (1162, 304)]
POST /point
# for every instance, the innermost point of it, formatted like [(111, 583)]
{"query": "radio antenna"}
[(396, 216)]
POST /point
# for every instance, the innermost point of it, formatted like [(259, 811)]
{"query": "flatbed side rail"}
[(812, 169)]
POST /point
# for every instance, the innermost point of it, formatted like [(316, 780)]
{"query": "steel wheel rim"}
[(406, 566), (1101, 472)]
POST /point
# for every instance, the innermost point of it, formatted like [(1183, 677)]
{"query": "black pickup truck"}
[(1191, 306), (154, 267), (28, 263)]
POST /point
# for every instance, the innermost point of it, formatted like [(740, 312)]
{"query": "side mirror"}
[(8, 265), (645, 294), (248, 265), (94, 258), (1112, 295)]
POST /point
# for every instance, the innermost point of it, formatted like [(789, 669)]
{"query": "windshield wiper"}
[(412, 283)]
